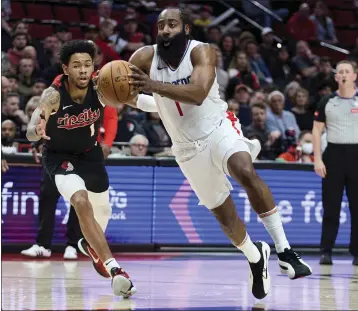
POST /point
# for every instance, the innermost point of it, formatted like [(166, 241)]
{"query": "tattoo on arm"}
[(49, 102)]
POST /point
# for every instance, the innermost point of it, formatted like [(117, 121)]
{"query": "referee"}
[(338, 166)]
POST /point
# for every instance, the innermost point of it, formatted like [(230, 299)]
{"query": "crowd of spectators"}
[(272, 89)]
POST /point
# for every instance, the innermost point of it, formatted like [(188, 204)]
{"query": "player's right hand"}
[(4, 166), (320, 168), (95, 82), (40, 129)]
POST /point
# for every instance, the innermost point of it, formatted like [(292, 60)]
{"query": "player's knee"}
[(247, 176), (81, 204)]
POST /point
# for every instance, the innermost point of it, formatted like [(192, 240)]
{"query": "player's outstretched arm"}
[(203, 58), (144, 102), (49, 102)]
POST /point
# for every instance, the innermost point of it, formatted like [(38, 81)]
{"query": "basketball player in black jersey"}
[(68, 118)]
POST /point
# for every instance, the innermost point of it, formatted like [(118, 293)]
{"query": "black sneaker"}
[(259, 276), (355, 261), (82, 246), (326, 259), (291, 264)]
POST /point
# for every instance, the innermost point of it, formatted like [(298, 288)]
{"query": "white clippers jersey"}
[(184, 122)]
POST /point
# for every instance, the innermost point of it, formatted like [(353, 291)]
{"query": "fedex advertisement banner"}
[(157, 205)]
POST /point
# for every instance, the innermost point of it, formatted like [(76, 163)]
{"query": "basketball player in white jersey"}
[(208, 143)]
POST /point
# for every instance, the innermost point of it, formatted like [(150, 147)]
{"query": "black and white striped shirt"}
[(340, 115)]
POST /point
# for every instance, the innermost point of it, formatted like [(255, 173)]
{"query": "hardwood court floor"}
[(173, 282)]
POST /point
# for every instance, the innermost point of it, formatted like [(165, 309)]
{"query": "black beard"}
[(7, 141), (174, 52)]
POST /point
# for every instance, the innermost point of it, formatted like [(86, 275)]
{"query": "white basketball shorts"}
[(204, 162)]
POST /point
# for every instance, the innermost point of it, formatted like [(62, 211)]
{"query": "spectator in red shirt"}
[(300, 26), (109, 130), (19, 42), (303, 152), (132, 35), (240, 73), (105, 45)]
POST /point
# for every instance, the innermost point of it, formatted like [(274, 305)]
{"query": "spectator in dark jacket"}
[(157, 135)]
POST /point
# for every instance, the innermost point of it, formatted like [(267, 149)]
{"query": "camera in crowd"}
[(290, 139)]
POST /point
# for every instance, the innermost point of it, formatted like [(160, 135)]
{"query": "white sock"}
[(273, 225), (111, 263), (249, 249)]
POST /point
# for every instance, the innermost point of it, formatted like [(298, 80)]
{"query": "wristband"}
[(146, 103)]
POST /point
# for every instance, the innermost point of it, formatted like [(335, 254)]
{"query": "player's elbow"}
[(200, 97)]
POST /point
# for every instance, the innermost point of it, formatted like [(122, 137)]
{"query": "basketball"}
[(113, 82)]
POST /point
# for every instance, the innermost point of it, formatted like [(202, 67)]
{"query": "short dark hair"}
[(217, 27), (76, 46), (184, 15), (258, 105), (61, 28), (325, 59), (40, 80), (325, 84), (11, 94), (12, 76), (303, 133), (14, 36), (250, 42)]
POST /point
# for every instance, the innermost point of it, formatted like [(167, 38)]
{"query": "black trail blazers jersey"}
[(74, 127)]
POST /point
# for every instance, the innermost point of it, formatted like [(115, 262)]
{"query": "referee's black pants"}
[(341, 163), (49, 196)]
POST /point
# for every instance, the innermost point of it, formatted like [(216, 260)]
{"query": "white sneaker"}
[(70, 253), (121, 283), (36, 251)]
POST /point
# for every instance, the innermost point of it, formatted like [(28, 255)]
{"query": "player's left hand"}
[(140, 80)]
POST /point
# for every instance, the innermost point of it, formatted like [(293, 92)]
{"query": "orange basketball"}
[(113, 82)]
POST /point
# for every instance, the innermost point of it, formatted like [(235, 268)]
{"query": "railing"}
[(334, 47), (266, 10), (279, 19), (247, 19)]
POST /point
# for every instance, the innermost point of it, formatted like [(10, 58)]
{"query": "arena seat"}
[(67, 14), (40, 31), (17, 10), (39, 11), (76, 32)]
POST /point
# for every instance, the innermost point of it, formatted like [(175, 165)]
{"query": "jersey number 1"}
[(92, 129), (179, 108)]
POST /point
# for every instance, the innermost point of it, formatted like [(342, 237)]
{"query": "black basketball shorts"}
[(88, 165)]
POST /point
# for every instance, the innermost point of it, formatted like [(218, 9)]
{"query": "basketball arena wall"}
[(153, 205)]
